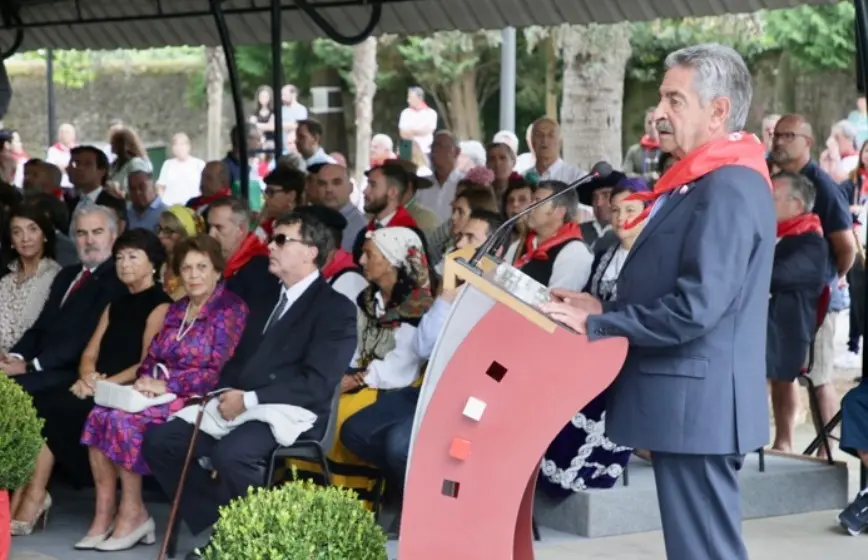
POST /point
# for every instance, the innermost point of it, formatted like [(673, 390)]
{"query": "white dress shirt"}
[(438, 197), (292, 294)]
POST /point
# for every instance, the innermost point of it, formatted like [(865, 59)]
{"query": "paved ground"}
[(798, 537)]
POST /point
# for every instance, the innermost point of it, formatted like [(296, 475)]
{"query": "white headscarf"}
[(395, 243)]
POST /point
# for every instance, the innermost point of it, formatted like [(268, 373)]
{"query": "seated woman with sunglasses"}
[(198, 336)]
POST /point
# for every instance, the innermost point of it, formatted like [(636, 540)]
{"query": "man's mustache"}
[(663, 126)]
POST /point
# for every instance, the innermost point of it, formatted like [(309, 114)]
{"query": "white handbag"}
[(124, 397)]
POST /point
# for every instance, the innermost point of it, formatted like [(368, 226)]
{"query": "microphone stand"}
[(601, 170)]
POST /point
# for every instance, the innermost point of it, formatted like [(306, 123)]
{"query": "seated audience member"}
[(198, 336), (379, 434), (340, 270), (425, 219), (32, 269), (47, 355), (284, 189), (302, 369), (798, 278), (114, 352), (581, 456), (145, 207), (398, 294), (215, 184), (41, 177), (334, 189), (500, 159), (518, 196), (439, 239), (471, 199), (311, 186), (555, 255), (177, 223), (58, 213), (246, 271), (597, 233), (88, 171)]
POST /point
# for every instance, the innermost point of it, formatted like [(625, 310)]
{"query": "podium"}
[(502, 381)]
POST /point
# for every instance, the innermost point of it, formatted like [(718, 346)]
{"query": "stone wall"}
[(151, 98)]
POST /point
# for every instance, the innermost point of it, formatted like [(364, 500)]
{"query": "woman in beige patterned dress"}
[(32, 269)]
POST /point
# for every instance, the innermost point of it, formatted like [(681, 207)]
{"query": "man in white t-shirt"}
[(418, 121), (180, 176), (58, 154)]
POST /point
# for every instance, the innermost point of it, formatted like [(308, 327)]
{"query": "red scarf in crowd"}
[(649, 143), (567, 232), (203, 201), (402, 218), (265, 230), (61, 147), (804, 223), (251, 247), (340, 262), (741, 149)]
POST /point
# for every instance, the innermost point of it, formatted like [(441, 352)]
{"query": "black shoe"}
[(854, 519)]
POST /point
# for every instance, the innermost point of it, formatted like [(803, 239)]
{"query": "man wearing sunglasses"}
[(293, 352)]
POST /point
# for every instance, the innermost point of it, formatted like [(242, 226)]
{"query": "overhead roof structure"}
[(136, 24)]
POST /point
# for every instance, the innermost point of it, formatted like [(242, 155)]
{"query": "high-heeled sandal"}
[(25, 528)]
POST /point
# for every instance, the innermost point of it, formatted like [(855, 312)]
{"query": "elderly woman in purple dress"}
[(581, 456), (198, 336)]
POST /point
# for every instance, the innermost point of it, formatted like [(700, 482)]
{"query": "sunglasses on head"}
[(282, 239)]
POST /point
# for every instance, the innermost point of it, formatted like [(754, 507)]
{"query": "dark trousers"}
[(856, 280), (700, 505), (380, 433), (47, 380), (239, 460)]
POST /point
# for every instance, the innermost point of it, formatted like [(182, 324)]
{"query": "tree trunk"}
[(463, 105), (551, 75), (215, 81), (363, 76), (595, 59)]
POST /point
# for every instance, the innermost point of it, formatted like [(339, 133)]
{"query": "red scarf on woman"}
[(567, 232), (251, 247), (402, 218), (803, 223), (741, 149), (342, 260)]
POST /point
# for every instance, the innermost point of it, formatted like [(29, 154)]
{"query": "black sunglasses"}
[(282, 239)]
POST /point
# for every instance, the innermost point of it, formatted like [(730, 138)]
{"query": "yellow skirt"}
[(347, 470)]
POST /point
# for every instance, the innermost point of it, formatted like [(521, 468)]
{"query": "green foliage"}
[(815, 37), (20, 435), (441, 58), (297, 521)]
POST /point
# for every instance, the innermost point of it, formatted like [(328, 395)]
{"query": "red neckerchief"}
[(341, 261), (265, 230), (377, 162), (649, 143), (422, 106), (567, 232), (402, 218), (804, 223), (741, 149), (848, 154), (58, 193), (61, 147), (251, 247), (206, 200)]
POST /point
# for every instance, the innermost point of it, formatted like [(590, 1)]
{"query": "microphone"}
[(601, 170)]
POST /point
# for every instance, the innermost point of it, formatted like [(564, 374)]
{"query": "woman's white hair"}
[(720, 72)]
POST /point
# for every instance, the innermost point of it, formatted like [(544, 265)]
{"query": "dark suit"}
[(597, 243), (693, 302), (798, 279), (63, 329), (102, 199), (253, 281), (300, 362)]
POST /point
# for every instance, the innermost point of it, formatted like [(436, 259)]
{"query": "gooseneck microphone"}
[(601, 170)]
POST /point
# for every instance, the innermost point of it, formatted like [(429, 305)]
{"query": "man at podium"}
[(693, 302)]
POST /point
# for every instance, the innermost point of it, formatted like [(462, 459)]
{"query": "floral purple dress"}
[(193, 363)]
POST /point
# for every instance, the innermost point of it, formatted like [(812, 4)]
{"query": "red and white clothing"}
[(414, 119), (59, 155)]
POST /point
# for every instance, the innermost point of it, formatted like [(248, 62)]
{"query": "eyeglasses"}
[(282, 239)]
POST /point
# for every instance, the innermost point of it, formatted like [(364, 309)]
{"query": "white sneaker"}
[(849, 361)]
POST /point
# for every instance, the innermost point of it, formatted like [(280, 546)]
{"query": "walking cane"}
[(176, 502)]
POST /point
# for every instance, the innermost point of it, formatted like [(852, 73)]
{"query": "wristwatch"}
[(30, 367)]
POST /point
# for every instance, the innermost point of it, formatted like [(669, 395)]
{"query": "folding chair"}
[(314, 450), (824, 432)]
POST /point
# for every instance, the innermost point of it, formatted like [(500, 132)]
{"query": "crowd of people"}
[(175, 284)]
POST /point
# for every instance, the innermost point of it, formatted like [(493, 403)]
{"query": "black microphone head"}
[(602, 169)]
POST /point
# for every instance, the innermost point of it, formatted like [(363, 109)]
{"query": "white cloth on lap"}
[(287, 422)]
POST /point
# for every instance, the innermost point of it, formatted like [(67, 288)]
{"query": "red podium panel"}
[(507, 389)]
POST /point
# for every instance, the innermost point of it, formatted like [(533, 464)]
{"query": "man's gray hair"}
[(720, 72), (569, 200), (848, 130), (87, 207), (801, 188)]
